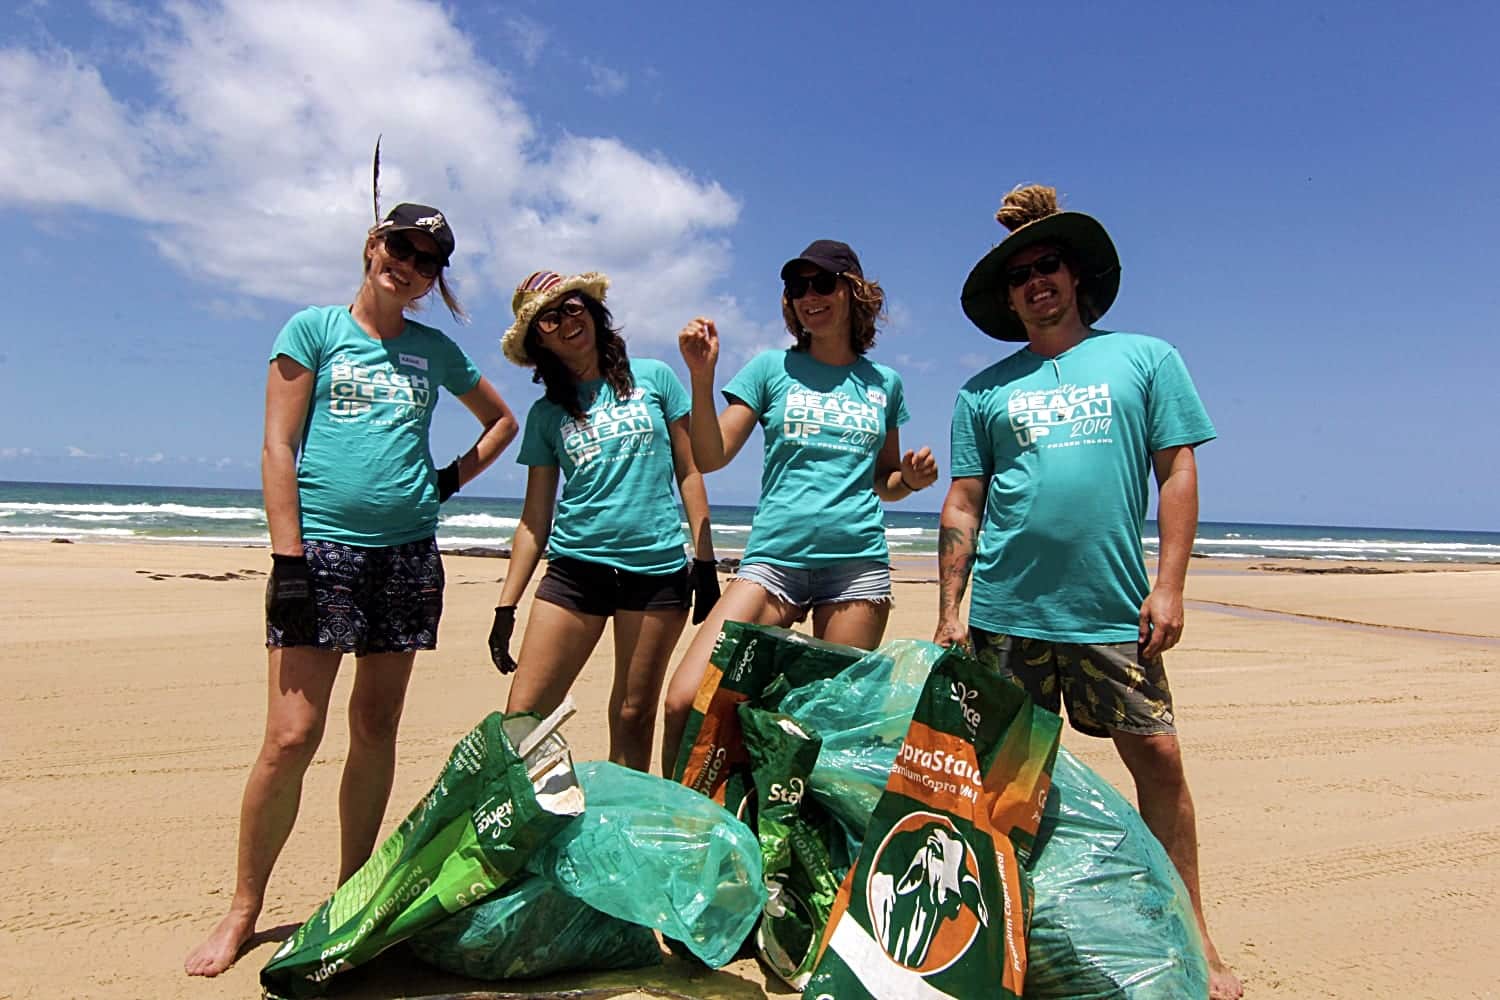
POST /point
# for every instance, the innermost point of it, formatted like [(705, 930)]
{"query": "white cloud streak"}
[(247, 161)]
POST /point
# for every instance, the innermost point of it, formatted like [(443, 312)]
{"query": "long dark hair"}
[(562, 386)]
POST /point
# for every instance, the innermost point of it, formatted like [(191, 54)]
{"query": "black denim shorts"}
[(596, 589)]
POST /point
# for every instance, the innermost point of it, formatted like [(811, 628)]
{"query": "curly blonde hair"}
[(866, 310)]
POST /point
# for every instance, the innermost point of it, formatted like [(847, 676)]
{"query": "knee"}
[(292, 744), (678, 704), (1156, 760), (635, 717), (375, 724)]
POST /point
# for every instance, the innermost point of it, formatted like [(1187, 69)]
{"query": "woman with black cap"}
[(831, 420), (352, 497)]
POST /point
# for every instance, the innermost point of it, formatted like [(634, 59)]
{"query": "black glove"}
[(705, 579), (289, 600), (500, 633), (447, 481)]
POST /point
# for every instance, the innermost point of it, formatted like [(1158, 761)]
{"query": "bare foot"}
[(1223, 984), (219, 950)]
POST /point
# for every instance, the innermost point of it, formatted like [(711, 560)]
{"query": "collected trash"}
[(1112, 919), (652, 852), (875, 820), (745, 664), (507, 787), (937, 902), (796, 834), (530, 929)]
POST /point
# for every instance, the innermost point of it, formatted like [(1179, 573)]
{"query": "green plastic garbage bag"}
[(469, 835), (532, 928), (863, 713), (659, 854), (1112, 919)]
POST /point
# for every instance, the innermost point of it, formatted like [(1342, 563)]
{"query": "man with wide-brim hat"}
[(1053, 449)]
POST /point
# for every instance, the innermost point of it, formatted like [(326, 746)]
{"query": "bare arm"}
[(499, 429), (289, 389), (898, 475), (1162, 614), (694, 495), (716, 438), (532, 533), (958, 541)]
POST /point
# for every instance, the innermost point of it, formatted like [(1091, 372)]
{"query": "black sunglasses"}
[(824, 282), (549, 321), (1047, 263), (426, 264)]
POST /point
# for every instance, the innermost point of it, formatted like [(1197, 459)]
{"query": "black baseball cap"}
[(830, 255), (422, 218)]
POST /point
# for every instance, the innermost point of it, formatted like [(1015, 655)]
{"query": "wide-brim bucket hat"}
[(1032, 215), (539, 290)]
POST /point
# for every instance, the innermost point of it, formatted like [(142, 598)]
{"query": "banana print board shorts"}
[(1106, 686)]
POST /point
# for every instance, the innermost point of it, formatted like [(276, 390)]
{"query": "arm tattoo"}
[(955, 559)]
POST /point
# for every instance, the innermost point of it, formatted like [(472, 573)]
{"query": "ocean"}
[(184, 514)]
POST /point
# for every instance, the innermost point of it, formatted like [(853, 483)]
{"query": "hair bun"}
[(1026, 203)]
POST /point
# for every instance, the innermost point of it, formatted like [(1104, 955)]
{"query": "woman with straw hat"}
[(831, 420), (352, 499), (615, 431)]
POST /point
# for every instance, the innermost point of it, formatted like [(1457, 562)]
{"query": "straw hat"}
[(540, 290), (1032, 216)]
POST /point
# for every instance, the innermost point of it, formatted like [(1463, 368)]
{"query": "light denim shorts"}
[(835, 583)]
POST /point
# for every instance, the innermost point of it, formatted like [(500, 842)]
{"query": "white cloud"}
[(606, 82), (76, 452), (248, 160), (11, 452), (529, 37)]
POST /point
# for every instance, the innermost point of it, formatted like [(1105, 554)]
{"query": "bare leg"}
[(643, 647), (1155, 762), (853, 623), (743, 601), (375, 706), (300, 684), (558, 642)]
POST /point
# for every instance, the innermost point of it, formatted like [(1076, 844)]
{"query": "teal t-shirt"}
[(617, 505), (1066, 446), (364, 473), (824, 425)]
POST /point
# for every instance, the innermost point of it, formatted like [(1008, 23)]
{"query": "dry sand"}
[(1345, 775)]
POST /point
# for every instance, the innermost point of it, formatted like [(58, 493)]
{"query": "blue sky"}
[(1304, 203)]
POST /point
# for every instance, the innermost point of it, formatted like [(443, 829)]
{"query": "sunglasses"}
[(1045, 264), (426, 264), (824, 282), (550, 320)]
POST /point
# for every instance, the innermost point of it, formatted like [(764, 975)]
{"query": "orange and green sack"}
[(937, 903), (744, 666)]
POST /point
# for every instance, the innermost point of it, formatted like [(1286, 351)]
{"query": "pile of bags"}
[(900, 822)]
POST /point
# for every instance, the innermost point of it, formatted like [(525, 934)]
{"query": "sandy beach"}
[(1341, 733)]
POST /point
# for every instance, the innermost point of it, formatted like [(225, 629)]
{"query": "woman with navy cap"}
[(352, 497), (831, 419)]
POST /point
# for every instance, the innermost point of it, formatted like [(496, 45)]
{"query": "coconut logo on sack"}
[(924, 895)]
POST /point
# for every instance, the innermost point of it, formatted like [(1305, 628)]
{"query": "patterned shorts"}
[(1107, 686), (380, 600)]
